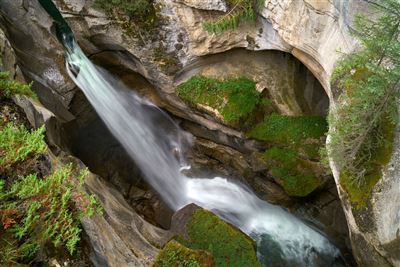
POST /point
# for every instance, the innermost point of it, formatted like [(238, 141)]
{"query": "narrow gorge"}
[(204, 129)]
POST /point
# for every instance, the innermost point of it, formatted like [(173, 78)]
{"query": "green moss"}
[(229, 246), (294, 141), (289, 130), (359, 193), (234, 98), (175, 254), (292, 172)]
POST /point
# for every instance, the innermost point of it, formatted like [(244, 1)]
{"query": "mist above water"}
[(157, 146)]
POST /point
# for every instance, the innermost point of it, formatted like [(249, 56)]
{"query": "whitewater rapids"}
[(157, 150)]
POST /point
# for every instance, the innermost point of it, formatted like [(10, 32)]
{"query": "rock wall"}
[(311, 30)]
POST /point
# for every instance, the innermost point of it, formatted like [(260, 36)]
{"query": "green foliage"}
[(359, 192), (131, 8), (16, 143), (136, 17), (241, 10), (36, 209), (176, 255), (8, 87), (295, 141), (234, 98), (49, 211), (229, 246), (369, 79), (293, 173), (290, 130)]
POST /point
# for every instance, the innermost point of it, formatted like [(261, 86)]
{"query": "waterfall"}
[(156, 144)]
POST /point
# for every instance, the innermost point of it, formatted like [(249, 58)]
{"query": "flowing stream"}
[(157, 146), (156, 143)]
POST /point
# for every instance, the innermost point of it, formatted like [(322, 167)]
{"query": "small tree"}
[(363, 120), (240, 10)]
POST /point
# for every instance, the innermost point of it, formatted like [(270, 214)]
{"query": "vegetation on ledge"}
[(228, 245), (362, 125), (175, 254), (293, 173), (136, 17), (290, 130), (234, 98), (9, 87), (240, 11), (17, 144), (37, 206), (294, 141)]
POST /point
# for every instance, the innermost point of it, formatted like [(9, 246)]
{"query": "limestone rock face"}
[(311, 30), (375, 229), (39, 55), (218, 5)]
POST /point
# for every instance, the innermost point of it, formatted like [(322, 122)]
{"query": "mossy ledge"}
[(206, 232), (233, 98), (175, 254), (293, 157)]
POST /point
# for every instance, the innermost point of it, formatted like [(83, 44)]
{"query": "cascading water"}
[(157, 152), (156, 143)]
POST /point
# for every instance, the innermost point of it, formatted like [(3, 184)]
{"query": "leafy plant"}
[(36, 209), (9, 87), (364, 119), (16, 143), (241, 10)]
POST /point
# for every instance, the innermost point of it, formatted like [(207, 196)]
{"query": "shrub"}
[(9, 87), (17, 143), (234, 98), (364, 119), (36, 210), (241, 10)]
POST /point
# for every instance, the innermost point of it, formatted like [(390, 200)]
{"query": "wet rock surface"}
[(77, 129)]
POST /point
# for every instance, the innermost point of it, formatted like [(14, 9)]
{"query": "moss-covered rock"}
[(289, 130), (199, 229), (359, 193), (175, 254), (294, 174), (233, 98), (295, 143)]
